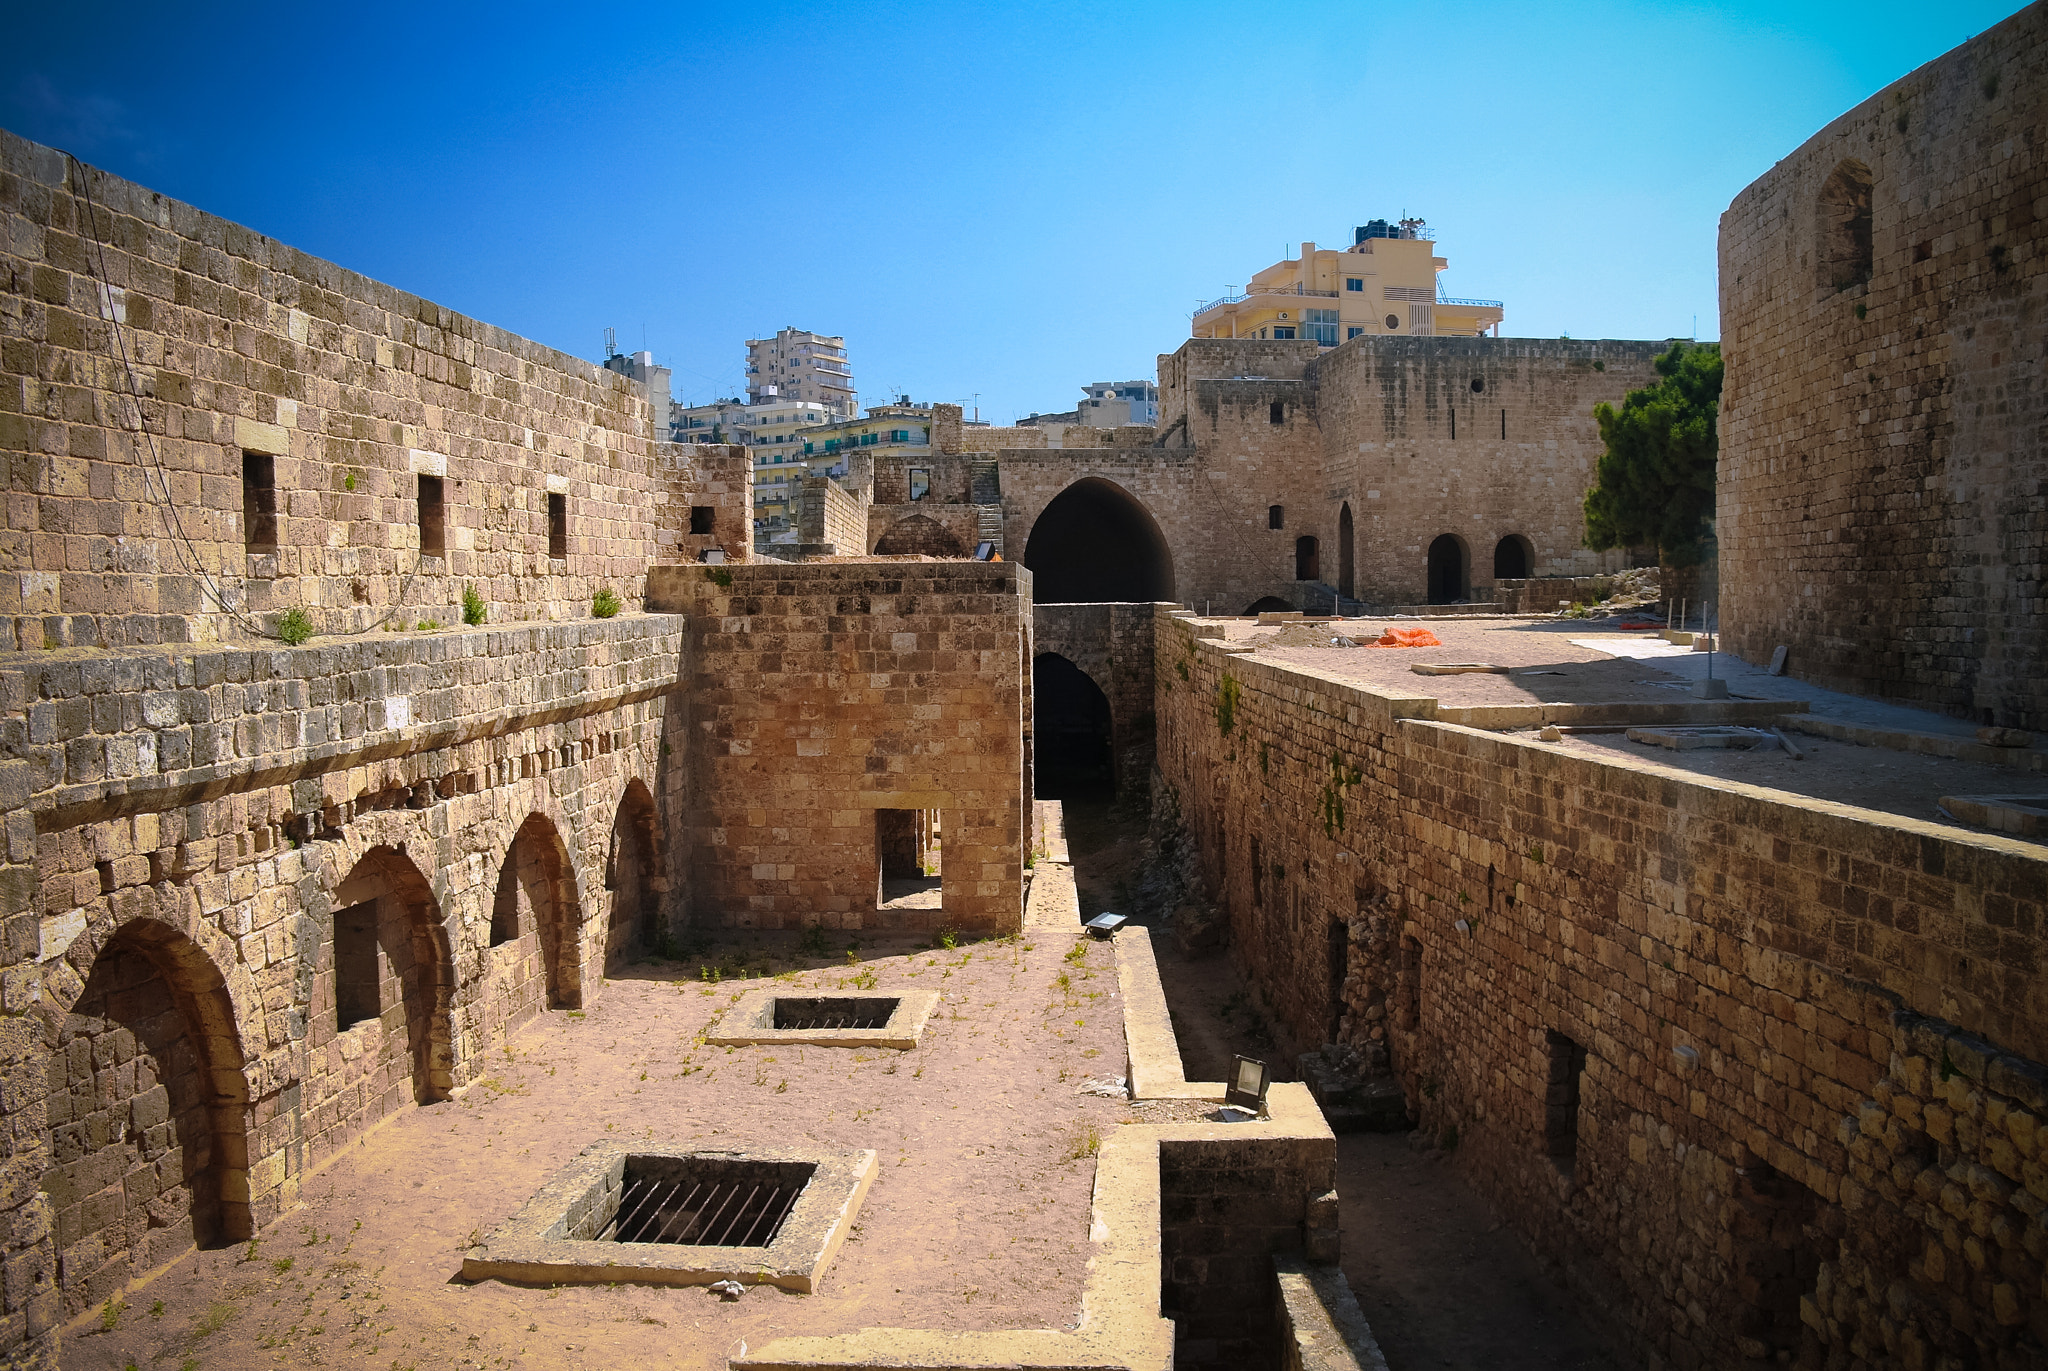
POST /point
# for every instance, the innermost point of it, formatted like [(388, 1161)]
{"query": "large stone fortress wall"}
[(241, 356), (1882, 463), (1763, 1074), (255, 898)]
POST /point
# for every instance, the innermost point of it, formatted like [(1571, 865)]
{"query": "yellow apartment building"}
[(1384, 283)]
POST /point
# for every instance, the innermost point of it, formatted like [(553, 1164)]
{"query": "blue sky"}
[(995, 204)]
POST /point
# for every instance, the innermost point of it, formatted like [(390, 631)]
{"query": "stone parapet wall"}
[(698, 477), (1738, 970), (203, 428), (1879, 503), (822, 693), (827, 514)]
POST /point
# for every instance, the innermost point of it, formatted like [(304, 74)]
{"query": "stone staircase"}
[(985, 491), (1318, 597)]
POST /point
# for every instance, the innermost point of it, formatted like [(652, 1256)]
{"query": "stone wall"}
[(282, 433), (927, 528), (825, 692), (308, 851), (699, 484), (1723, 1053), (1112, 645), (1879, 506), (828, 516)]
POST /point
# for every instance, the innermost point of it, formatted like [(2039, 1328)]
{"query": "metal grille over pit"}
[(704, 1203), (833, 1011)]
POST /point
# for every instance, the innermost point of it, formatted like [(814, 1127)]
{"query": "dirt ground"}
[(1441, 1282), (979, 1218)]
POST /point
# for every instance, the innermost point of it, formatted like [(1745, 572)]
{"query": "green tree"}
[(1655, 481)]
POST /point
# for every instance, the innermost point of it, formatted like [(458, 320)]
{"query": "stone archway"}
[(1073, 735), (919, 533), (390, 987), (534, 918), (1449, 570), (632, 882), (1095, 542), (1512, 558), (148, 1114)]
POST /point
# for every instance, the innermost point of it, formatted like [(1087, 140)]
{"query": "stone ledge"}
[(1321, 1320), (1932, 744)]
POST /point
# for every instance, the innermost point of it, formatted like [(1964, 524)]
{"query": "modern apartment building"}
[(1384, 283), (1112, 404), (799, 365)]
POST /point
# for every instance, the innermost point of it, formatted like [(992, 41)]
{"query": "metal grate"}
[(702, 1211), (833, 1011)]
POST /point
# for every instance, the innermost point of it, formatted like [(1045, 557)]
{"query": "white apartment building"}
[(799, 365), (1111, 404)]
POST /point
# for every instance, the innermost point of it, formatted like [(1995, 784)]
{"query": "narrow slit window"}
[(1276, 516), (259, 501), (1503, 426), (433, 514), (558, 525), (1454, 426), (1276, 413), (1567, 1064)]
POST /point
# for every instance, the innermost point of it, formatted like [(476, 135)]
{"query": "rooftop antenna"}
[(611, 343)]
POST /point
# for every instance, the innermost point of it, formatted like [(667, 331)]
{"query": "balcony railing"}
[(1208, 305), (1474, 304)]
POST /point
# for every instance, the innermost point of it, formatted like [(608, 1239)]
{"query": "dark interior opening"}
[(701, 517), (1070, 725), (1511, 558), (1566, 1065), (705, 1201), (1446, 571), (834, 1011), (1307, 563), (357, 977), (1346, 572), (259, 501), (1339, 968), (1269, 604), (558, 525), (1276, 516), (1276, 413), (433, 535), (1778, 1254), (1095, 543)]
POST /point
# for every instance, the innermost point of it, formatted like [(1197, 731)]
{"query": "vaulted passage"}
[(392, 987), (1096, 543), (630, 881), (533, 914), (1070, 732), (1446, 570)]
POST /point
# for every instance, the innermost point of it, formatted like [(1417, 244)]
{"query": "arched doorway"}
[(1071, 728), (1512, 558), (1308, 562), (1346, 581), (533, 915), (1447, 570), (633, 925), (919, 533), (1094, 543), (391, 988), (1269, 604), (146, 1111)]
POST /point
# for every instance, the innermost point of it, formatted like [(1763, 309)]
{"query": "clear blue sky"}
[(996, 201)]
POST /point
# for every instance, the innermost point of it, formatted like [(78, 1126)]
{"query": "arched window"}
[(1842, 251)]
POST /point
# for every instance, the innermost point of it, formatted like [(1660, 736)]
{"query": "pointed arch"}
[(1347, 580), (1450, 570), (1096, 542), (1843, 254), (632, 879), (148, 1110), (535, 915), (1073, 734), (390, 982), (919, 533)]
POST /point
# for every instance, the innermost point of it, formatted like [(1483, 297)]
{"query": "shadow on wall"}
[(1095, 543)]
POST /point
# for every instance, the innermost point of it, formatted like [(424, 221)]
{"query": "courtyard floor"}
[(978, 1219)]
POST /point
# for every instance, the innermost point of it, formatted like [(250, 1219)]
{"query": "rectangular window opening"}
[(356, 973), (433, 532), (259, 501), (1276, 516), (558, 525), (1567, 1064), (702, 518)]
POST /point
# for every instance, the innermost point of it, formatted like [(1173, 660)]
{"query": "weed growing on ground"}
[(111, 1312), (1085, 1141)]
